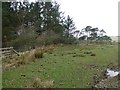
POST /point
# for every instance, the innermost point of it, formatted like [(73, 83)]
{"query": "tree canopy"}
[(25, 23)]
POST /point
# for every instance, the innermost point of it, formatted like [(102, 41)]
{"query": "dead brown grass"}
[(39, 53), (21, 60), (28, 57), (38, 83)]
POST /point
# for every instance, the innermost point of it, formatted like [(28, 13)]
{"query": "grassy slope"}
[(60, 66)]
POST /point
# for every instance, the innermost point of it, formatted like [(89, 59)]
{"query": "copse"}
[(25, 24), (93, 35)]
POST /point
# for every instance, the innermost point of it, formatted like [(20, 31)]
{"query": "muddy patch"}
[(108, 79)]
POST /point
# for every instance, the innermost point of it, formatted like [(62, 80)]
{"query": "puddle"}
[(108, 81), (112, 73)]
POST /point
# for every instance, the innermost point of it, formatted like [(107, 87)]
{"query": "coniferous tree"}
[(69, 26)]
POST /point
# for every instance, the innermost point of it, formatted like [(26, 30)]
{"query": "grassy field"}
[(69, 66)]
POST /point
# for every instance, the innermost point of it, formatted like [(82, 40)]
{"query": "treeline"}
[(93, 35), (27, 25), (39, 23)]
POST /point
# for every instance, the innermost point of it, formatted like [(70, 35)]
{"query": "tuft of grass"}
[(87, 52), (38, 54), (30, 57), (20, 60), (93, 54), (81, 55), (38, 83)]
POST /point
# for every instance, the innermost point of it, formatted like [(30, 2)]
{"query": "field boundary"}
[(7, 52)]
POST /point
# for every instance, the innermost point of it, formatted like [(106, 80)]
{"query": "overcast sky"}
[(96, 13)]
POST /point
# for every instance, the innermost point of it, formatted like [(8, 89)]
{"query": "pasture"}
[(67, 66)]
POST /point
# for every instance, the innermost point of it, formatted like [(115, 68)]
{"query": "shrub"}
[(24, 41), (38, 54), (47, 38), (67, 40), (30, 56), (87, 52)]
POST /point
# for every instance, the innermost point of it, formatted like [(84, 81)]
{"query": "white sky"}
[(96, 13)]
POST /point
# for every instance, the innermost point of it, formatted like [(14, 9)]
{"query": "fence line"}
[(7, 52)]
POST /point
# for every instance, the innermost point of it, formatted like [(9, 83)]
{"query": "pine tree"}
[(69, 26)]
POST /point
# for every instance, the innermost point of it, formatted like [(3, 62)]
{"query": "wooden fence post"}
[(7, 52)]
